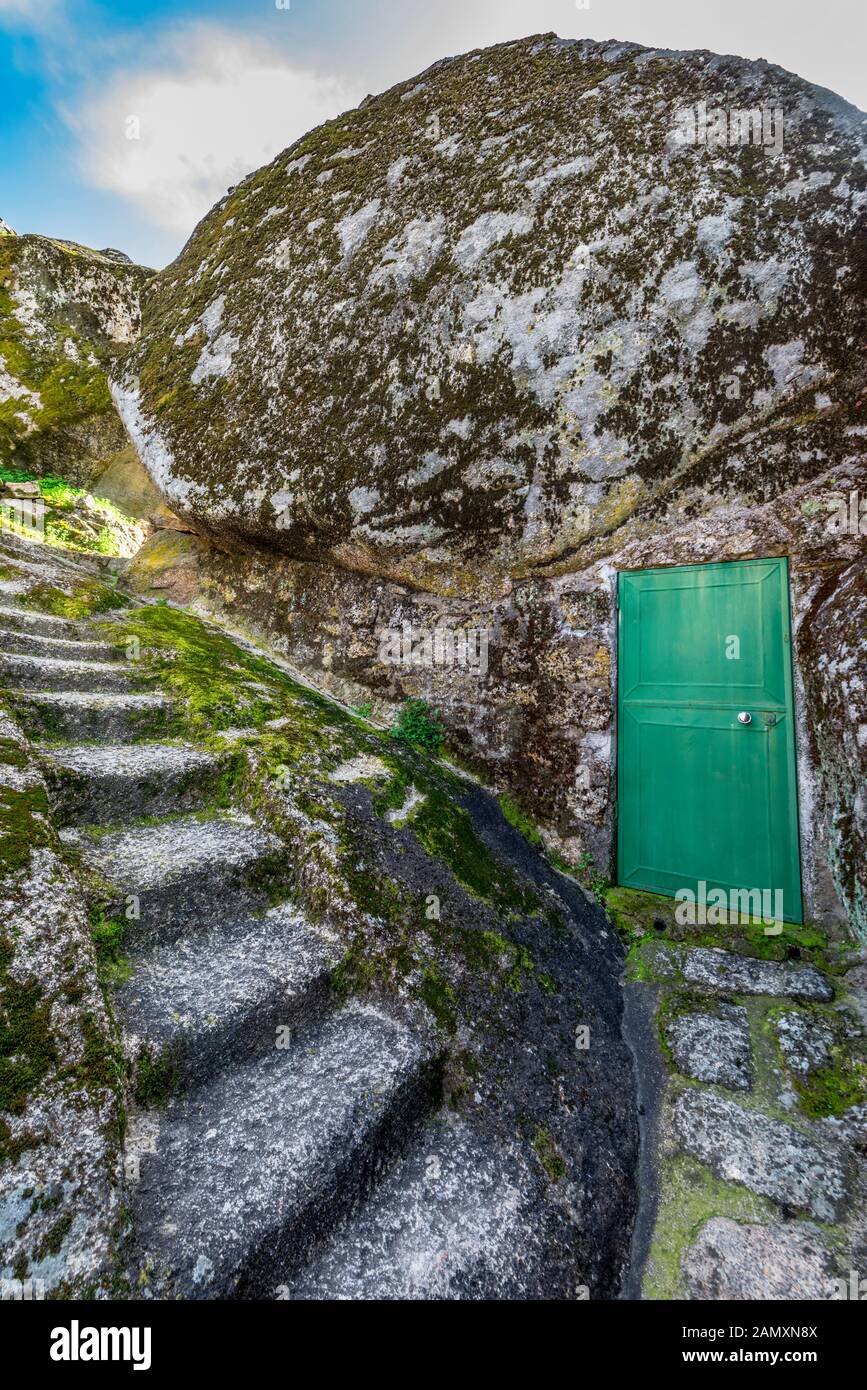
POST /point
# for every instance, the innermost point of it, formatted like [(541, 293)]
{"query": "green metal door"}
[(706, 742)]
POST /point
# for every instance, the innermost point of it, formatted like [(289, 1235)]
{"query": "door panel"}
[(683, 618), (701, 795)]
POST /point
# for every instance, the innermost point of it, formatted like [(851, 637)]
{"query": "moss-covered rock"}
[(65, 312)]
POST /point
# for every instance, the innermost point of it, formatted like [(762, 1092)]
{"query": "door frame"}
[(793, 751)]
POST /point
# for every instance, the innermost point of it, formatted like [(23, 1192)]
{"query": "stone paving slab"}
[(714, 1047), (722, 972), (767, 1156), (733, 1261)]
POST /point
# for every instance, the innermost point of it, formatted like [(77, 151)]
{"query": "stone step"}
[(771, 1158), (38, 672), (43, 624), (80, 716), (217, 998), (102, 785), (446, 1223), (188, 873), (715, 971), (39, 644), (245, 1175)]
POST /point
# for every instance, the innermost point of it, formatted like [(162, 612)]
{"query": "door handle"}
[(745, 717)]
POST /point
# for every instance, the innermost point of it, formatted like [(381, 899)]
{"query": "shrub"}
[(418, 723)]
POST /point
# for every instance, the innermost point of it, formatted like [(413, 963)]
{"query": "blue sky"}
[(122, 123)]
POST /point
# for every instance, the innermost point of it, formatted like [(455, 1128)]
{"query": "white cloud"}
[(206, 113), (38, 16)]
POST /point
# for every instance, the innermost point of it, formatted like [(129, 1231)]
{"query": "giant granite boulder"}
[(432, 332), (64, 312), (549, 310)]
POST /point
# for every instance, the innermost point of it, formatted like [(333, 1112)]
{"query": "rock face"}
[(768, 1157), (714, 1047), (64, 312), (458, 356)]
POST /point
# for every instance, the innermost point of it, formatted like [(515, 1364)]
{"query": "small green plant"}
[(419, 724), (112, 967), (587, 873), (364, 711)]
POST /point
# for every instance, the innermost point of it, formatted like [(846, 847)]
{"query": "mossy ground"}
[(839, 1083), (60, 525), (87, 598), (112, 966), (24, 819), (689, 1196), (516, 817), (28, 1050), (640, 917)]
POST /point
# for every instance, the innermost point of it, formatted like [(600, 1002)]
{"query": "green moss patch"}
[(87, 598), (689, 1196), (107, 934), (516, 817), (833, 1088), (638, 916), (156, 1079), (446, 831), (24, 826), (27, 1048), (548, 1154)]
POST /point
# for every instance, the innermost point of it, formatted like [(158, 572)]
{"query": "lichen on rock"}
[(553, 295)]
